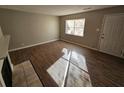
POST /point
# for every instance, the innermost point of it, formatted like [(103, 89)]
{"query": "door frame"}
[(101, 31)]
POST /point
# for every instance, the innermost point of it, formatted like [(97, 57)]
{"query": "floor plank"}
[(58, 70), (77, 77), (103, 69)]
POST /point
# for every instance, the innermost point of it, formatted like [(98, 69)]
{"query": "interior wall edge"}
[(80, 44), (85, 46), (28, 28), (19, 48), (93, 25)]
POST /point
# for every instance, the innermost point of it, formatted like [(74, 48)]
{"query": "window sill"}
[(74, 35)]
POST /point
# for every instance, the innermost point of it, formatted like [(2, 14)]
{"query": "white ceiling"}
[(55, 10)]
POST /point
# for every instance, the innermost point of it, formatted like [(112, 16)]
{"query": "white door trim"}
[(101, 32), (103, 22)]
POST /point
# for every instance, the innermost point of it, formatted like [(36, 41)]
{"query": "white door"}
[(112, 35)]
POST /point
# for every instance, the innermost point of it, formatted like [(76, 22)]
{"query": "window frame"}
[(75, 27)]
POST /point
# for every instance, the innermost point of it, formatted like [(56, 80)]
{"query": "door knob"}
[(102, 37), (102, 34)]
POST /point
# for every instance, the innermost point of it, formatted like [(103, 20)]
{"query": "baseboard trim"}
[(111, 54), (11, 50), (80, 44), (90, 48)]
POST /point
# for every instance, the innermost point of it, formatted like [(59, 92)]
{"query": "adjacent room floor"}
[(63, 64)]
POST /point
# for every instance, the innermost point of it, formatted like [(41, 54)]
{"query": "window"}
[(75, 27)]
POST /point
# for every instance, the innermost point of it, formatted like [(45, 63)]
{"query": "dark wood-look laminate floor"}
[(104, 70)]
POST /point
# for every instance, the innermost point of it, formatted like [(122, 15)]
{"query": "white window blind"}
[(75, 27)]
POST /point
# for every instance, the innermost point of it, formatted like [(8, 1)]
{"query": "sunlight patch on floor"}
[(70, 70)]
